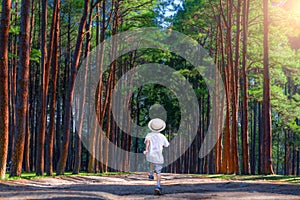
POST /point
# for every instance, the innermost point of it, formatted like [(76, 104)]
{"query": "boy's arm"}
[(147, 146), (166, 143)]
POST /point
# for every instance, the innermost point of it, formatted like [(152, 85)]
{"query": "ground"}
[(137, 186)]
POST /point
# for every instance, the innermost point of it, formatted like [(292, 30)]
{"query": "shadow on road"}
[(138, 187)]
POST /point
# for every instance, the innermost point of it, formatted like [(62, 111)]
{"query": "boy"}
[(155, 141)]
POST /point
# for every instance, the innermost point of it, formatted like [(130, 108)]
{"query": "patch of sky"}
[(167, 10)]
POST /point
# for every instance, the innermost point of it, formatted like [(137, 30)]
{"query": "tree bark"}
[(77, 156), (44, 84), (245, 143), (235, 67), (266, 108), (69, 94), (22, 89), (12, 89), (253, 146), (51, 133), (27, 143), (4, 98)]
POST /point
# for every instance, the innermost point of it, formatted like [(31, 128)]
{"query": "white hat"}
[(157, 125)]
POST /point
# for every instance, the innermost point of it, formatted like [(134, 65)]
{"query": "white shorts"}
[(157, 167)]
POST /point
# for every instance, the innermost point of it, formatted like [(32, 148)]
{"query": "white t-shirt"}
[(157, 142)]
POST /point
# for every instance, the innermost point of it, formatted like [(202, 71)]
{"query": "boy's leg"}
[(158, 169), (151, 169), (151, 177), (158, 179)]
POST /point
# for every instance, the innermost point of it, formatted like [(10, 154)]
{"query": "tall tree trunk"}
[(77, 153), (224, 165), (221, 21), (98, 167), (298, 163), (42, 110), (51, 133), (245, 145), (70, 90), (99, 103), (260, 133), (216, 107), (253, 146), (22, 89), (294, 161), (12, 88), (278, 152), (28, 159), (266, 108), (235, 67), (27, 143), (4, 98)]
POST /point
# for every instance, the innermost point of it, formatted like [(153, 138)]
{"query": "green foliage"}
[(35, 55), (14, 30), (284, 62), (197, 19), (138, 13)]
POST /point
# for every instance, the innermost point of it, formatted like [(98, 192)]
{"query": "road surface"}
[(137, 186)]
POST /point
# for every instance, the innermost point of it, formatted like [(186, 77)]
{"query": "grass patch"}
[(23, 176), (280, 178), (32, 175)]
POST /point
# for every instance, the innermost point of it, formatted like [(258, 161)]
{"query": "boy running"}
[(155, 141)]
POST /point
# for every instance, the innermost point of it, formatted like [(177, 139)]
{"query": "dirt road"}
[(137, 186)]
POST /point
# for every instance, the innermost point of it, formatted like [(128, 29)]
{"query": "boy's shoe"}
[(151, 177), (158, 191)]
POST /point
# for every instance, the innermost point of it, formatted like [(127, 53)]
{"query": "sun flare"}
[(292, 6)]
